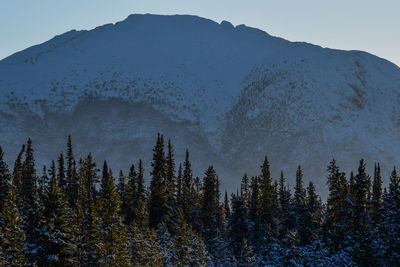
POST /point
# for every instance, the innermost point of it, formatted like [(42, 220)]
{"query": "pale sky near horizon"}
[(369, 25)]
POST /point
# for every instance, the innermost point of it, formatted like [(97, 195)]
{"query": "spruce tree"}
[(61, 180), (158, 200), (5, 180), (360, 225), (299, 202), (238, 224), (121, 184), (195, 211), (187, 201), (254, 213), (338, 208), (245, 188), (58, 248), (140, 207), (113, 242), (141, 190), (389, 230), (72, 179), (144, 247), (267, 207), (121, 190), (181, 250), (70, 172), (227, 209), (286, 218), (171, 189), (377, 197), (179, 184), (31, 211), (90, 178), (17, 174), (313, 217), (12, 237), (43, 182), (188, 248), (89, 249), (247, 256), (210, 208), (80, 212), (131, 196)]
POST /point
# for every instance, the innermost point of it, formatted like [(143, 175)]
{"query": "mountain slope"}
[(230, 94)]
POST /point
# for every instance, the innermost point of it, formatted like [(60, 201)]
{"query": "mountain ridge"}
[(234, 91)]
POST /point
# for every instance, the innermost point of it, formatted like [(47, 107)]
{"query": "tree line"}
[(74, 214)]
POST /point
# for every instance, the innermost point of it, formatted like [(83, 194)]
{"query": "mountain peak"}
[(231, 93)]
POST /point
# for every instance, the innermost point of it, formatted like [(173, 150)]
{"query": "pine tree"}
[(113, 242), (58, 246), (158, 201)]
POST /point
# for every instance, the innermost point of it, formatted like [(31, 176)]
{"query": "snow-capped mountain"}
[(229, 94)]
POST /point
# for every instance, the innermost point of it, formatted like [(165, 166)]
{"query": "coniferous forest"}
[(73, 212)]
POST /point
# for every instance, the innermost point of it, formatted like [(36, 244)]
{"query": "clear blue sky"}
[(369, 25)]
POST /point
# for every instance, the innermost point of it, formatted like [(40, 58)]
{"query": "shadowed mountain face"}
[(229, 94)]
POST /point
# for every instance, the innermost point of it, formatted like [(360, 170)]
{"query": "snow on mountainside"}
[(230, 94)]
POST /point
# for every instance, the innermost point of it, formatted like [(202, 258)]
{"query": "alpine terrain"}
[(230, 94)]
